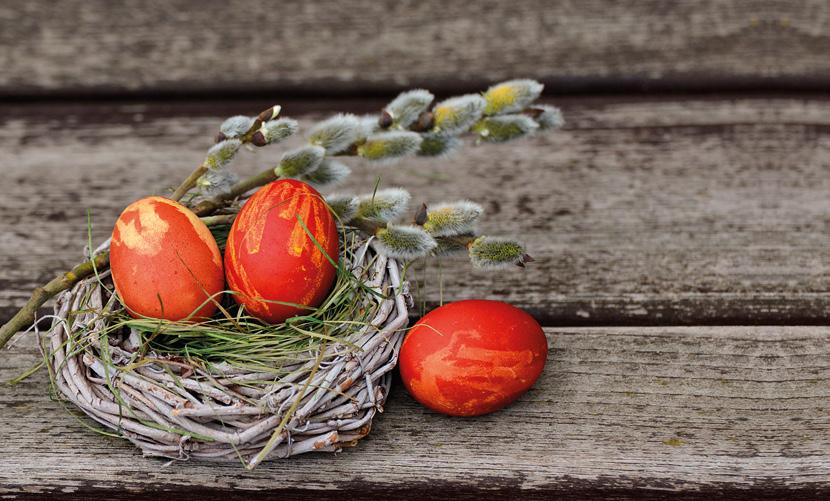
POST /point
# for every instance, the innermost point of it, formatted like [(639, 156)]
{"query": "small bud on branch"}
[(220, 154), (452, 245), (504, 128), (405, 109), (496, 252), (404, 242), (511, 96), (456, 115), (438, 145), (385, 120), (387, 146), (235, 127), (216, 182), (421, 215), (450, 219), (300, 161), (344, 206), (270, 114), (384, 205), (328, 173), (549, 117), (336, 133), (275, 131)]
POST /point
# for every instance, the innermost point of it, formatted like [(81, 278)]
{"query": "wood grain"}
[(640, 212), (618, 412), (182, 47)]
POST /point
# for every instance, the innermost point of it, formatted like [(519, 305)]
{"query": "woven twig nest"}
[(175, 408)]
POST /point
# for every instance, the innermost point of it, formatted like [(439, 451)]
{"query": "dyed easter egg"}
[(472, 357), (270, 256), (165, 263)]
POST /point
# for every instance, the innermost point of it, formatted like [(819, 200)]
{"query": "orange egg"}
[(270, 257), (472, 357), (165, 262)]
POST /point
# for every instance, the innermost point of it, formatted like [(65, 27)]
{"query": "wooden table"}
[(681, 240)]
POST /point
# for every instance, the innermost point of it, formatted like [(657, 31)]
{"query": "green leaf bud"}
[(438, 145), (387, 146), (495, 252), (384, 205), (450, 219), (221, 153), (336, 134), (458, 114), (328, 173), (403, 242), (504, 128), (300, 161), (511, 96), (550, 117), (408, 106), (344, 206)]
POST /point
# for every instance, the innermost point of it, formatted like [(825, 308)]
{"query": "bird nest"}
[(173, 397)]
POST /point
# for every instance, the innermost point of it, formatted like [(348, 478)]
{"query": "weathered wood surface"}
[(618, 412), (640, 212), (357, 46)]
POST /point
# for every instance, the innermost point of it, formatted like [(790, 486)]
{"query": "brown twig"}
[(189, 183), (207, 207), (26, 315)]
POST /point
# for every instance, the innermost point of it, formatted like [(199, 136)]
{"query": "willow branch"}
[(189, 183), (207, 207), (26, 315)]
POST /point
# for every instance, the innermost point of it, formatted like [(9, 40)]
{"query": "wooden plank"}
[(640, 212), (96, 47), (618, 412)]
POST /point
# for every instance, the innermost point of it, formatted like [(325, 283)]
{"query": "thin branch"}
[(189, 183), (26, 316)]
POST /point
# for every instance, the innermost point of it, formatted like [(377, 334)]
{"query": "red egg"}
[(472, 357), (269, 256), (165, 263)]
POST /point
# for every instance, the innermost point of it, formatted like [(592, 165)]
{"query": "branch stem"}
[(26, 316), (189, 183), (208, 207)]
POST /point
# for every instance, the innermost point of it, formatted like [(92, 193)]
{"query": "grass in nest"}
[(242, 341)]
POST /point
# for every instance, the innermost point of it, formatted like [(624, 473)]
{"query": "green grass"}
[(235, 338)]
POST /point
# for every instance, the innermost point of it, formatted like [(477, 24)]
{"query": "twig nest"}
[(319, 398)]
